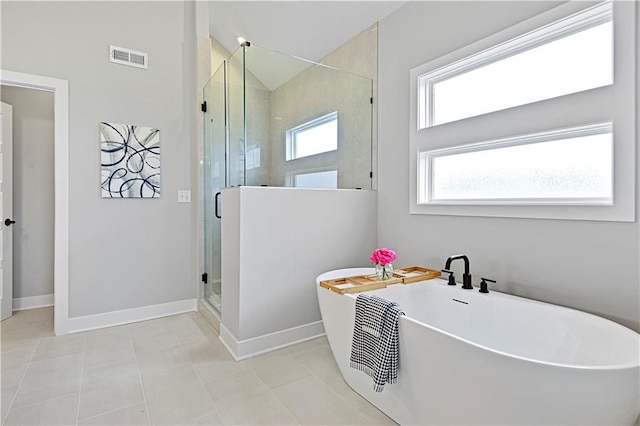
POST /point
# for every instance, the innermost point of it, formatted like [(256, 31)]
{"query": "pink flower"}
[(383, 256)]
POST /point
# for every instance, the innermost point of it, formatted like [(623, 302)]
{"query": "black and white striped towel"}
[(375, 345)]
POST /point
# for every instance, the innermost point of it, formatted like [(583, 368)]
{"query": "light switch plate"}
[(184, 196)]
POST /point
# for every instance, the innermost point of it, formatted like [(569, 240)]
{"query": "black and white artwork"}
[(130, 157)]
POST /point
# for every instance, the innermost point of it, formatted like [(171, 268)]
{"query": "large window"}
[(540, 168), (535, 121), (565, 57), (314, 137)]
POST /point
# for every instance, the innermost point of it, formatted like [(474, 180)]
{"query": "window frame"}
[(425, 184), (290, 154), (616, 103), (291, 176), (557, 30)]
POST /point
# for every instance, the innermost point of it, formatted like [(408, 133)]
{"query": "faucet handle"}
[(452, 278), (483, 285)]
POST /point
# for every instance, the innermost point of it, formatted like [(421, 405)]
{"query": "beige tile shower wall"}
[(258, 148), (316, 92), (360, 56)]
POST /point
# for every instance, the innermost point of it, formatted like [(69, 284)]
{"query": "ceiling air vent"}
[(133, 58)]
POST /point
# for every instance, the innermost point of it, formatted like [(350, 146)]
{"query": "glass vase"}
[(384, 272)]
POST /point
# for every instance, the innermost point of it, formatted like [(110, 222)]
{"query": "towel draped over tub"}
[(375, 345)]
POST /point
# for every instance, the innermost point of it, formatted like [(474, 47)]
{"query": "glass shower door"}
[(215, 176), (236, 118)]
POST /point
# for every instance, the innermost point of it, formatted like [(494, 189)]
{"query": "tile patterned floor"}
[(167, 371)]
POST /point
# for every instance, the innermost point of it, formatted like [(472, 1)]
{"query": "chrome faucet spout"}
[(466, 277)]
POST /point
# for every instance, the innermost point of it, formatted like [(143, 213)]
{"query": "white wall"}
[(129, 253), (586, 265), (32, 192), (275, 242)]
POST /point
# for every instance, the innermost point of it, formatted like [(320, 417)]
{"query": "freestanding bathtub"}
[(473, 358)]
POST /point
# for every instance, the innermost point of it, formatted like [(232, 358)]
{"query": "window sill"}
[(623, 211)]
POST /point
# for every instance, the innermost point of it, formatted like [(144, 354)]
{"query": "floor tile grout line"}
[(207, 324), (271, 390), (84, 355), (275, 395), (32, 404), (21, 381), (190, 364), (346, 401), (144, 394), (311, 373), (197, 375), (108, 412), (293, 381), (328, 385)]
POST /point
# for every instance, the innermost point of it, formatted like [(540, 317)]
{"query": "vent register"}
[(132, 58)]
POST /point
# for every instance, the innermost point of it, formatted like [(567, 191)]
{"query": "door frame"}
[(60, 89), (6, 207)]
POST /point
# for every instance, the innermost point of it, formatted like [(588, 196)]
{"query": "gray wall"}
[(591, 266), (133, 252), (32, 190)]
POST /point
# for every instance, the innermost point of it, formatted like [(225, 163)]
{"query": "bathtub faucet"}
[(466, 277)]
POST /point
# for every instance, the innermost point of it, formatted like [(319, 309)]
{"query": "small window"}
[(324, 179), (314, 137), (568, 56), (253, 157), (541, 168)]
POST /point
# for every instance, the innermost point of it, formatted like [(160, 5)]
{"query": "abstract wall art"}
[(130, 158)]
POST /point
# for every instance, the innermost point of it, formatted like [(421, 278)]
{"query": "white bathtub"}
[(473, 358)]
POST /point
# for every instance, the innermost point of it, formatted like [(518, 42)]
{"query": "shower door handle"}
[(215, 205), (9, 222)]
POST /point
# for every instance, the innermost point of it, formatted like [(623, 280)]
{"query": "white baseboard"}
[(126, 316), (32, 302), (242, 349)]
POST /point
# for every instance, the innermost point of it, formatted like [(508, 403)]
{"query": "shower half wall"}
[(275, 120)]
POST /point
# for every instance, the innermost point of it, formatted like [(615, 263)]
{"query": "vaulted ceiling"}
[(307, 29)]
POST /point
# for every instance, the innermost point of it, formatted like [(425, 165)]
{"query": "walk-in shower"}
[(275, 120)]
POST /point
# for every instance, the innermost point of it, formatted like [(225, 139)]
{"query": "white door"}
[(6, 212)]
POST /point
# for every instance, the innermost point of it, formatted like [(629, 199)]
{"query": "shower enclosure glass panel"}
[(236, 113), (255, 100), (215, 177), (283, 93)]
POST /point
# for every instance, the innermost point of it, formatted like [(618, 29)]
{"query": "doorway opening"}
[(60, 89), (29, 223)]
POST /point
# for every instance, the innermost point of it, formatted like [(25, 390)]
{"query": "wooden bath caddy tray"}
[(357, 284), (362, 283), (414, 274)]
